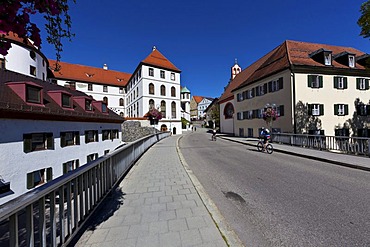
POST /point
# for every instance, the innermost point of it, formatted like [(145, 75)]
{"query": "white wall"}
[(18, 60), (15, 164)]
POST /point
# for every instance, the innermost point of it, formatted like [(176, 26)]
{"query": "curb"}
[(334, 162), (228, 234)]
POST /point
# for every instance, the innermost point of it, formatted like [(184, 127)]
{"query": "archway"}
[(174, 130)]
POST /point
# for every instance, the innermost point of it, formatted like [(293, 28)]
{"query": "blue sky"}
[(202, 38)]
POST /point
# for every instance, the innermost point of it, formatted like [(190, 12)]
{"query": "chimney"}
[(105, 66)]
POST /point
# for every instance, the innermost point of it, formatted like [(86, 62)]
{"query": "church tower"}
[(236, 69)]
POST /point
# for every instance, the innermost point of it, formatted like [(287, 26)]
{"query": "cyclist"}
[(214, 134), (265, 134)]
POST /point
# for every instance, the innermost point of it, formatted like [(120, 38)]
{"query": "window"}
[(173, 92), (173, 109), (239, 116), (163, 90), (162, 74), (340, 109), (106, 151), (33, 55), (91, 136), (92, 157), (340, 82), (33, 94), (363, 132), (70, 166), (229, 110), (37, 141), (39, 177), (32, 70), (66, 100), (172, 76), (105, 89), (316, 109), (151, 88), (275, 85), (151, 72), (69, 138), (351, 61), (121, 90), (105, 100), (163, 108), (362, 84), (88, 105), (280, 110), (121, 102), (315, 81), (327, 58), (251, 93), (363, 110), (342, 132), (89, 87), (2, 63)]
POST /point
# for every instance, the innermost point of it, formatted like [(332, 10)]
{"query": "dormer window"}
[(32, 70), (327, 58), (351, 61), (322, 56), (88, 105), (66, 100), (104, 108), (33, 94)]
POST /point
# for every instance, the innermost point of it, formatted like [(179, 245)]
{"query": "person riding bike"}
[(265, 134), (214, 134)]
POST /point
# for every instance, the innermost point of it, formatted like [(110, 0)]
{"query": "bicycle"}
[(269, 148), (213, 138)]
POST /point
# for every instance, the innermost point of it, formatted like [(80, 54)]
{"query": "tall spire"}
[(236, 69)]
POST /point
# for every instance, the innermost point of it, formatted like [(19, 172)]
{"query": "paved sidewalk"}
[(156, 204), (353, 161)]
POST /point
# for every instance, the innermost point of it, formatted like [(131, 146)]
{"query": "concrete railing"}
[(52, 214), (343, 144)]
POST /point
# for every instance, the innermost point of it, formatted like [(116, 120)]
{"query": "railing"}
[(343, 144), (52, 214)]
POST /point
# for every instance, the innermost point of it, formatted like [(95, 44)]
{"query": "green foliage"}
[(305, 122), (357, 121), (364, 20)]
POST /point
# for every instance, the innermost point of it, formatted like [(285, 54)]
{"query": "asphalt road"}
[(279, 199)]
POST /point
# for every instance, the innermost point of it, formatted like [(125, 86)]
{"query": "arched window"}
[(229, 110), (151, 88), (105, 100), (173, 109), (121, 114), (163, 108), (163, 90), (121, 102), (173, 92), (151, 103)]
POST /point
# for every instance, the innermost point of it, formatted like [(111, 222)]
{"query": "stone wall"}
[(133, 130)]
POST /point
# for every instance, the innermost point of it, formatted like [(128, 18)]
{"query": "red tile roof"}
[(156, 58), (13, 106), (76, 72), (198, 99), (289, 53)]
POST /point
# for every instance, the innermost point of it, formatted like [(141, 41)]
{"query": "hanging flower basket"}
[(269, 116), (154, 116)]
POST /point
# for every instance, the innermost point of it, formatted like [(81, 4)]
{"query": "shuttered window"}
[(37, 141)]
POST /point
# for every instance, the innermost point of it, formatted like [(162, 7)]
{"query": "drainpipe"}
[(294, 101)]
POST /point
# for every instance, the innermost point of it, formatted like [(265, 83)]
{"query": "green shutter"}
[(96, 135), (77, 136), (281, 83), (64, 168), (320, 81), (49, 174), (30, 180), (345, 86), (358, 81), (63, 139), (27, 145), (336, 108), (345, 109), (367, 84), (335, 82), (321, 107), (309, 107), (270, 86), (281, 110), (265, 88), (77, 163), (86, 136), (309, 80), (50, 140)]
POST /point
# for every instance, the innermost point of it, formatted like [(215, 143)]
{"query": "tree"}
[(364, 20), (15, 17), (304, 121), (358, 121)]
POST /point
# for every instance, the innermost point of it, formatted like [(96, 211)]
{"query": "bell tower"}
[(236, 69)]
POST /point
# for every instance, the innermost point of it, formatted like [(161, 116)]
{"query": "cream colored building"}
[(305, 83)]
